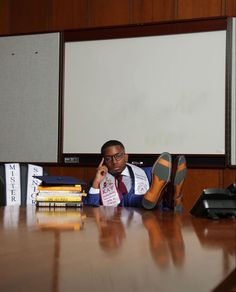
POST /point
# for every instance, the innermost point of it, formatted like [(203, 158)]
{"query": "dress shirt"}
[(126, 178)]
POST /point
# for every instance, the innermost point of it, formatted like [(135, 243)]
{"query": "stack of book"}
[(59, 192)]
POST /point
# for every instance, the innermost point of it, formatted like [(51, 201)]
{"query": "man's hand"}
[(101, 173)]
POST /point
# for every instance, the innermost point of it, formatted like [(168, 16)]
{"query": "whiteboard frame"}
[(231, 106), (209, 160)]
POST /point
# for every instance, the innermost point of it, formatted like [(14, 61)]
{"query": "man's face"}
[(115, 159)]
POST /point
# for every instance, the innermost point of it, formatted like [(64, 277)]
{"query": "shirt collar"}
[(126, 172)]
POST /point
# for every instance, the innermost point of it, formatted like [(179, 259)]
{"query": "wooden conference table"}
[(114, 249)]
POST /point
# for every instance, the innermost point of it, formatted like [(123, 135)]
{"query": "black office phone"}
[(216, 203), (232, 188)]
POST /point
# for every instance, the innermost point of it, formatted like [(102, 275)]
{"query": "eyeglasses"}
[(118, 156)]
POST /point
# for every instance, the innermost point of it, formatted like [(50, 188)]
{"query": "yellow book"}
[(77, 188), (58, 199)]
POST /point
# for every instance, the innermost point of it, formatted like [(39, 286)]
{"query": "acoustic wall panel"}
[(29, 97)]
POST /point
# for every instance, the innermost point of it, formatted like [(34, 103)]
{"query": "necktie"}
[(121, 186)]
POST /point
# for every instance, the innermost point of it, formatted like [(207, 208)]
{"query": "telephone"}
[(216, 203), (232, 188)]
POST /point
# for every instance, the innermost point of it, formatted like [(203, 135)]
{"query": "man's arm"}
[(93, 196), (100, 174)]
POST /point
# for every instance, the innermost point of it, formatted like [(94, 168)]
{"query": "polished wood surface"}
[(114, 249), (46, 15)]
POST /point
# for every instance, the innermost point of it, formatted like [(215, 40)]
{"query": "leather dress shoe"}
[(161, 174), (173, 197), (179, 177)]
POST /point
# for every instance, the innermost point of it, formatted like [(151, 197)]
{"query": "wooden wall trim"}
[(159, 28)]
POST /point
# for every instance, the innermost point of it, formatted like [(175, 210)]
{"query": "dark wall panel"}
[(164, 10), (199, 8), (142, 11), (46, 15), (69, 14), (109, 12), (29, 16), (155, 10), (196, 181), (229, 176), (4, 17), (230, 8)]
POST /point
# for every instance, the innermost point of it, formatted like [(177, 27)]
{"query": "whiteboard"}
[(155, 94), (29, 82)]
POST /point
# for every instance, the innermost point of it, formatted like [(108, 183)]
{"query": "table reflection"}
[(60, 219), (115, 245), (43, 218), (164, 229), (111, 230), (166, 243)]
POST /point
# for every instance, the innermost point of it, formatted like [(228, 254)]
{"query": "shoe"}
[(178, 180), (168, 193), (161, 173)]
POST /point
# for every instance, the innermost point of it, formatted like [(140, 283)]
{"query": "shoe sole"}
[(181, 171), (162, 170)]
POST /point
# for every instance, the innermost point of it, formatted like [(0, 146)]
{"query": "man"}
[(118, 183)]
